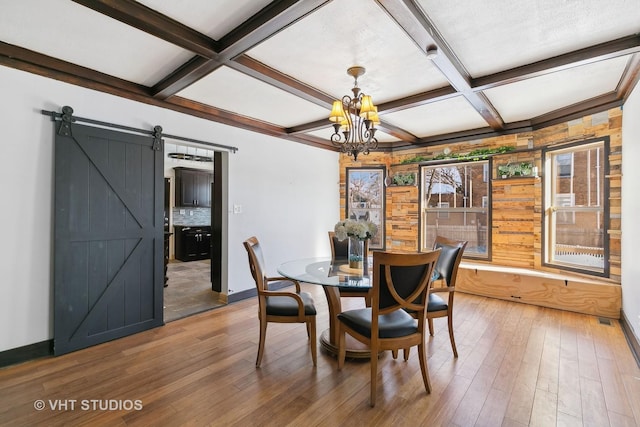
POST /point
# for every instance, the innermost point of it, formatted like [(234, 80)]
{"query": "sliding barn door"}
[(108, 253)]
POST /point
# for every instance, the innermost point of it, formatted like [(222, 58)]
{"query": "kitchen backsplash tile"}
[(191, 216)]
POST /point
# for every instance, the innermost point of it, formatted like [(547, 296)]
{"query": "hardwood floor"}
[(518, 365)]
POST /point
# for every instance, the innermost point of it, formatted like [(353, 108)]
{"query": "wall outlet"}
[(183, 211), (237, 209), (190, 213)]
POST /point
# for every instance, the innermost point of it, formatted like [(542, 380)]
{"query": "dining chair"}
[(401, 282), (340, 250), (447, 273), (443, 281), (277, 305)]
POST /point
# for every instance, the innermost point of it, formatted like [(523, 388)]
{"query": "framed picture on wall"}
[(365, 199)]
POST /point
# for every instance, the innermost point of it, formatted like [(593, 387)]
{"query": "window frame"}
[(376, 176), (485, 173), (549, 176)]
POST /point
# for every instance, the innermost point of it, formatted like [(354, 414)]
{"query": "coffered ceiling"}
[(274, 67)]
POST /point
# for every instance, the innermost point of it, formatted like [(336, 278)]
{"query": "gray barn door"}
[(108, 253)]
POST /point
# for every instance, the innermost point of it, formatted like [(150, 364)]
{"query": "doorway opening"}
[(190, 205)]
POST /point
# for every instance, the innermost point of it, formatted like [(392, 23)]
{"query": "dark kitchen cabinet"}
[(192, 242), (193, 188)]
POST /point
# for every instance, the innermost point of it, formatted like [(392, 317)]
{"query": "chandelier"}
[(354, 120)]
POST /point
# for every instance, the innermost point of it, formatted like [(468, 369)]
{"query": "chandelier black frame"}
[(354, 120)]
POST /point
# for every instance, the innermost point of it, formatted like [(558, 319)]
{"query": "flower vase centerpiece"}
[(357, 232)]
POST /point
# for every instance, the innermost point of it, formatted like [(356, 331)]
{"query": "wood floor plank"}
[(566, 420), (594, 409), (632, 391), (569, 402), (518, 365), (550, 357), (523, 393), (474, 399), (613, 388), (569, 399), (544, 409), (494, 408)]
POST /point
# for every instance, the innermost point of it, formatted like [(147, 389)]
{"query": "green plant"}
[(404, 179), (415, 159), (515, 169), (474, 155)]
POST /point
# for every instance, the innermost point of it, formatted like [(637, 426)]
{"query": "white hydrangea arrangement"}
[(363, 230)]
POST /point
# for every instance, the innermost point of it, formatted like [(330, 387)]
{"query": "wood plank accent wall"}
[(513, 220), (403, 218), (517, 221)]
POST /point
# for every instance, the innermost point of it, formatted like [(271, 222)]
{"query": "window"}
[(454, 200), (575, 206), (564, 216), (445, 212), (564, 164), (365, 199)]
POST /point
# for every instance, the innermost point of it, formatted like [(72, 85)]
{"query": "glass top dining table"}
[(328, 272), (332, 274)]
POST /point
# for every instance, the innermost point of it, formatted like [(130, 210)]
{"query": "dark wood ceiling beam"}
[(36, 63), (266, 74), (312, 141), (620, 47), (206, 112), (397, 132), (309, 127), (69, 73), (148, 20), (269, 21), (576, 111), (418, 99), (387, 107), (630, 77), (465, 136), (423, 32), (272, 19), (387, 128), (187, 74), (58, 69), (227, 117)]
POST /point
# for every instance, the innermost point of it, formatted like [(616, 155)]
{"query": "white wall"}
[(289, 193), (630, 210)]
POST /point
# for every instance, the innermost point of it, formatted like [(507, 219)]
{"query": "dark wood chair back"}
[(401, 283), (279, 305)]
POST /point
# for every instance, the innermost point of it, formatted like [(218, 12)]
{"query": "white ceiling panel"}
[(540, 95), (214, 18), (318, 49), (76, 34), (489, 36), (255, 99), (452, 115), (314, 42)]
